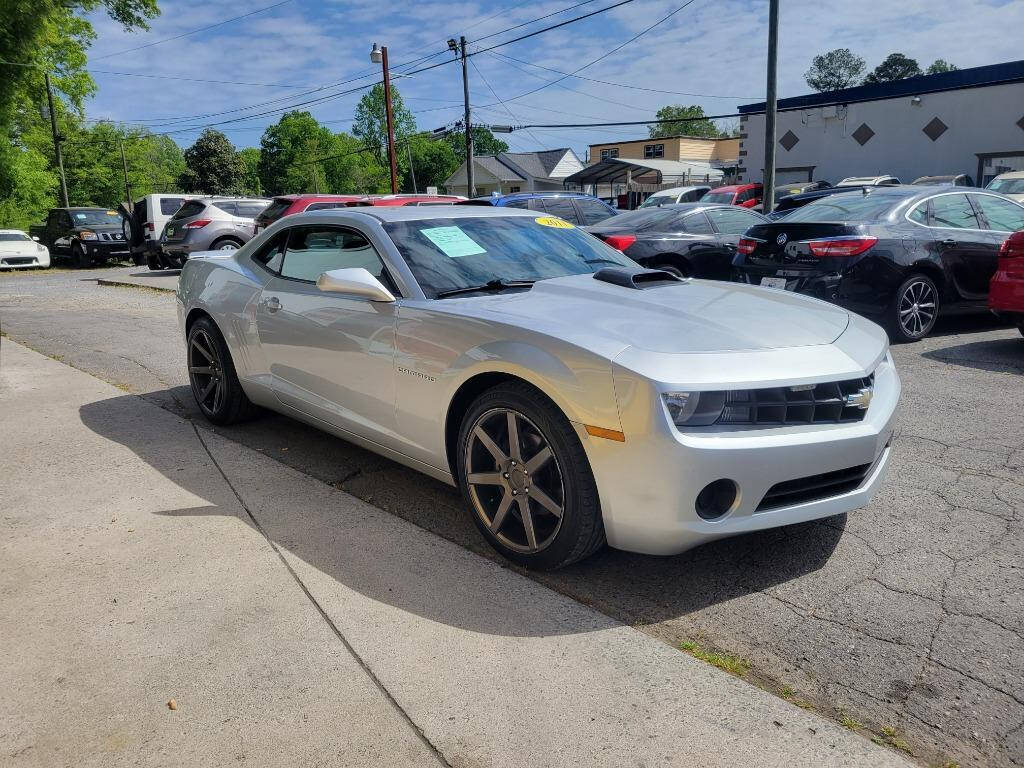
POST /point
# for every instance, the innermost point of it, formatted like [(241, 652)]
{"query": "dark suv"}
[(582, 210), (85, 235)]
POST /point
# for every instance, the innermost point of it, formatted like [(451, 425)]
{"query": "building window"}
[(513, 190), (609, 153), (654, 150)]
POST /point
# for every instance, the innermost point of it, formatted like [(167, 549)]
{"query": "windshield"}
[(718, 197), (1007, 186), (653, 218), (451, 253), (276, 210), (655, 200), (9, 237), (848, 207), (96, 218)]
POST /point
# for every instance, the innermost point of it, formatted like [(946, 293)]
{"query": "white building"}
[(508, 172), (969, 121)]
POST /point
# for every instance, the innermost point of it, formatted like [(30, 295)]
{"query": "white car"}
[(149, 216), (573, 396), (869, 181), (675, 195), (19, 251)]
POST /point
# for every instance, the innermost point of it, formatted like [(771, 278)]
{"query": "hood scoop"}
[(638, 280)]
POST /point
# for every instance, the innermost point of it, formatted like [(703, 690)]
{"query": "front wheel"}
[(80, 257), (914, 309), (153, 262), (526, 479), (211, 373), (672, 270)]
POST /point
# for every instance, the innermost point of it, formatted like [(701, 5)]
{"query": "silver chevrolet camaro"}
[(574, 397)]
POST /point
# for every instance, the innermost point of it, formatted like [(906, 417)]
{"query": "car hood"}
[(691, 316), (18, 246)]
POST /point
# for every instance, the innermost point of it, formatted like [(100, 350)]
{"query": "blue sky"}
[(715, 48)]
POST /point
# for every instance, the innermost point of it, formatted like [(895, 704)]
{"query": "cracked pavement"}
[(908, 614)]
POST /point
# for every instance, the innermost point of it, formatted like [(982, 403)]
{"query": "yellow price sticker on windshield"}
[(551, 221)]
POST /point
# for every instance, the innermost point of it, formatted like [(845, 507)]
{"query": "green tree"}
[(289, 151), (250, 183), (433, 161), (895, 67), (213, 165), (484, 143), (940, 65), (686, 125), (838, 68), (370, 124)]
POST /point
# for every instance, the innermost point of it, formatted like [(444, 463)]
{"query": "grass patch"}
[(891, 737), (849, 723), (731, 664)]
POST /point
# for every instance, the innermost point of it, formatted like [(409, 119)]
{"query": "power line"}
[(495, 94), (637, 122), (555, 26), (193, 32), (194, 79), (528, 23)]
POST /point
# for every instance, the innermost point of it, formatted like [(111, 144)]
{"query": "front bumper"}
[(32, 260), (649, 485), (106, 249)]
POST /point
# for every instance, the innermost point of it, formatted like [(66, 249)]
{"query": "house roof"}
[(494, 165), (992, 74), (615, 169), (648, 140), (536, 164)]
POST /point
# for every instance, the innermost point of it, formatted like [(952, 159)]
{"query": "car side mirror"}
[(355, 281), (36, 238)]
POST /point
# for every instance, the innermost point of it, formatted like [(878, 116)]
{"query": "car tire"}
[(212, 376), (79, 256), (913, 310), (551, 462), (226, 244), (153, 262), (673, 270)]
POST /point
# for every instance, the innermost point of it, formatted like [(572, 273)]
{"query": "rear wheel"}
[(211, 373), (914, 309), (226, 244), (672, 269), (526, 479), (153, 261)]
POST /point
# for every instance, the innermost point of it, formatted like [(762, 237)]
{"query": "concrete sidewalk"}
[(144, 560)]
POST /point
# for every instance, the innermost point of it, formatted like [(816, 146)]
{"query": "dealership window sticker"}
[(453, 242)]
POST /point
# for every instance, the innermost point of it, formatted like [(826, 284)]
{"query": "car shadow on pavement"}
[(630, 588), (1005, 355)]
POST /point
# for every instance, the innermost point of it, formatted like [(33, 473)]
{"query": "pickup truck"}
[(87, 236)]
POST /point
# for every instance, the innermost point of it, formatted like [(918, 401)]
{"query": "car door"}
[(964, 247), (1001, 218), (330, 356), (730, 224)]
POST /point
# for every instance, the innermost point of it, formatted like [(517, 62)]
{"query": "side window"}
[(517, 204), (53, 219), (169, 205), (697, 224), (733, 221), (746, 195), (592, 211), (227, 207), (272, 252), (314, 250), (920, 214), (65, 219), (1002, 215), (561, 206), (250, 210), (690, 197), (953, 211)]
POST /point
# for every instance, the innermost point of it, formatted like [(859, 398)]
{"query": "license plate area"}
[(778, 283)]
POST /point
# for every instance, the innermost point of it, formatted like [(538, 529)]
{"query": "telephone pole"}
[(470, 174), (127, 186), (56, 144), (770, 105)]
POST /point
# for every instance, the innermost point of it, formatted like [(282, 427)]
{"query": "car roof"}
[(679, 190), (88, 208), (389, 213), (495, 199), (1011, 175), (329, 198), (12, 232), (735, 187)]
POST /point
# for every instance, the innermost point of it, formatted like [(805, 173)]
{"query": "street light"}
[(379, 55)]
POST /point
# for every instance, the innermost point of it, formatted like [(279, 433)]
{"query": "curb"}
[(125, 284)]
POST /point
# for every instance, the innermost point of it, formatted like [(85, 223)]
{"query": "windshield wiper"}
[(490, 285)]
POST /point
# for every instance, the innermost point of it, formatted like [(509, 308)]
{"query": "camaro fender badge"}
[(782, 238), (411, 372), (859, 399)]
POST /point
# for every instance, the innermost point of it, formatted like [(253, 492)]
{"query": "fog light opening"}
[(716, 499)]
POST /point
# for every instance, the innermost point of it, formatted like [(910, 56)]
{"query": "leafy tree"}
[(250, 183), (370, 124), (213, 165), (940, 65), (484, 143), (838, 68), (895, 67), (686, 125), (433, 161)]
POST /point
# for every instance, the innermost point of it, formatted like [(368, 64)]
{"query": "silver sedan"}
[(574, 397)]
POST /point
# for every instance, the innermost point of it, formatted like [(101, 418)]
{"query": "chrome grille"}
[(111, 236), (833, 402)]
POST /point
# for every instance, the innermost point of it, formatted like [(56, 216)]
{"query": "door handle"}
[(949, 242), (273, 304)]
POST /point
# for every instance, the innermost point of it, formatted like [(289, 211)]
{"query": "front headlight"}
[(694, 409), (86, 235), (40, 247)]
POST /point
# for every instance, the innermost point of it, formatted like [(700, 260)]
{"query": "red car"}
[(286, 205), (408, 199), (745, 195), (1006, 290)]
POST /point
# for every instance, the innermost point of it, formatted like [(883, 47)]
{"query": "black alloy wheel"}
[(914, 309), (211, 373)]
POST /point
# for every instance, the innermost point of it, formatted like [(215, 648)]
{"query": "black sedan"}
[(687, 239), (897, 254)]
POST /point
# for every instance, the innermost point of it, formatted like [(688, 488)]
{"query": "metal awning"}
[(616, 170)]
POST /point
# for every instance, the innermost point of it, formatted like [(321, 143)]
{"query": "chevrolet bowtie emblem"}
[(859, 399)]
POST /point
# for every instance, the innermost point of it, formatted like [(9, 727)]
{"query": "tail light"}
[(198, 223), (620, 242), (746, 246), (1012, 250), (838, 247), (150, 226)]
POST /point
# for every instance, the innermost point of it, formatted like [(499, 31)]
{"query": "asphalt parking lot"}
[(904, 620)]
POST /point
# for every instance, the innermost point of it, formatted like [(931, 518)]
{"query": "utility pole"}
[(770, 105), (470, 174), (127, 187), (391, 121), (56, 144)]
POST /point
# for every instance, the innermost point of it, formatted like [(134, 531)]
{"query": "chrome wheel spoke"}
[(485, 478), (545, 501), (539, 460), (524, 512), (203, 370)]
